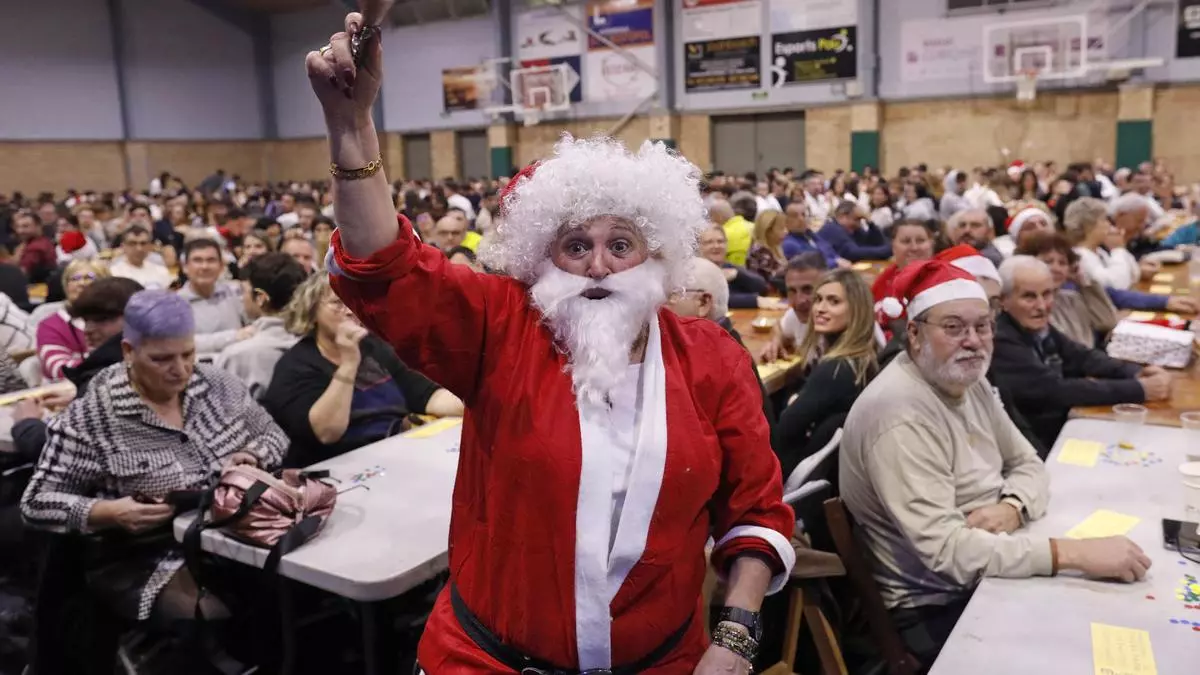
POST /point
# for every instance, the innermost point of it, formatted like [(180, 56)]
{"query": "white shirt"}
[(768, 203), (1118, 269), (883, 218), (818, 208), (288, 220), (460, 202), (148, 275), (620, 434), (792, 327)]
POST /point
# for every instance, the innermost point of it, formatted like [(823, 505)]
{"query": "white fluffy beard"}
[(597, 335), (964, 368)]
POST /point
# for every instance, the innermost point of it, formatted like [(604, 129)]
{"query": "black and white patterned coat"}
[(109, 444)]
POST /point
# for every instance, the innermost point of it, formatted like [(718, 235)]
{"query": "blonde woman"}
[(339, 388), (841, 341), (60, 340), (766, 257)]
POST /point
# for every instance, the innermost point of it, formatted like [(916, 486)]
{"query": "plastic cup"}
[(1190, 421), (1130, 417), (1191, 486)]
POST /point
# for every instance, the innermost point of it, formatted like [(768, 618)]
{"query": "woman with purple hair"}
[(154, 424)]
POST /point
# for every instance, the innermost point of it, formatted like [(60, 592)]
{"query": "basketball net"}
[(1027, 85)]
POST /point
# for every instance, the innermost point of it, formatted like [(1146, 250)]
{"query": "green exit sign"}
[(759, 95)]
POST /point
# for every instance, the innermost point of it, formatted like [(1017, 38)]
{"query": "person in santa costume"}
[(605, 439)]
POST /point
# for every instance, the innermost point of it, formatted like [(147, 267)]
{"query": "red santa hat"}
[(72, 241), (925, 284), (654, 188), (1018, 221), (966, 257), (1015, 169)]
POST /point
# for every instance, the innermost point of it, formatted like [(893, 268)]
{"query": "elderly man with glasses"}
[(1047, 372), (938, 477)]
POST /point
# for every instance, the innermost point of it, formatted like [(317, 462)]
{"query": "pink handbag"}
[(276, 511)]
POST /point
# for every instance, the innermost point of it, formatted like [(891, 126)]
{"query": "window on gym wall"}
[(977, 6)]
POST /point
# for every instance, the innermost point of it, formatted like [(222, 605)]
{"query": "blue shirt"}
[(794, 244), (864, 244)]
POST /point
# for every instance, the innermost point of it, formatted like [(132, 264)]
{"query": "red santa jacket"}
[(513, 535)]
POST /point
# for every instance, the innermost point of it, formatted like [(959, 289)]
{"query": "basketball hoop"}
[(1027, 85)]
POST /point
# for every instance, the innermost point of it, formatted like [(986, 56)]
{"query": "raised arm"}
[(363, 207), (435, 314)]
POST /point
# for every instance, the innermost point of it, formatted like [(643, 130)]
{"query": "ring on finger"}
[(325, 50)]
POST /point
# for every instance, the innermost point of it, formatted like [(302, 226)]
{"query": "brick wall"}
[(827, 137), (34, 167), (967, 133)]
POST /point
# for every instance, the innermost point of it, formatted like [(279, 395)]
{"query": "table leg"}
[(287, 617), (370, 637)]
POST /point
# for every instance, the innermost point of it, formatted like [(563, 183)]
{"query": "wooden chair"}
[(858, 569), (812, 567)]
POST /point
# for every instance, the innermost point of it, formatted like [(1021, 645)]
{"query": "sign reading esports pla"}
[(814, 55)]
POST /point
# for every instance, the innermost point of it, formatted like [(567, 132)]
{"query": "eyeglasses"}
[(957, 328), (82, 276)]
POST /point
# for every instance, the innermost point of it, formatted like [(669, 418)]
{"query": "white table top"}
[(1043, 625), (377, 543)]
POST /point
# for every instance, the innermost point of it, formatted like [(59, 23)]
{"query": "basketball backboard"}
[(537, 91), (1054, 48)]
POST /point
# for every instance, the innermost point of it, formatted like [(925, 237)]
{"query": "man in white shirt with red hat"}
[(939, 478), (605, 438)]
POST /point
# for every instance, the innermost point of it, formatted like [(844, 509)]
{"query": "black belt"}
[(486, 640)]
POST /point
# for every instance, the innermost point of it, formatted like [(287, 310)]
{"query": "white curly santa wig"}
[(655, 188)]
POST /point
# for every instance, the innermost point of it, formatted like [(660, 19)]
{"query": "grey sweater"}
[(253, 360), (218, 317)]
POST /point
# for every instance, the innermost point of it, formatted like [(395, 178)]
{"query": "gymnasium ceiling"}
[(406, 12)]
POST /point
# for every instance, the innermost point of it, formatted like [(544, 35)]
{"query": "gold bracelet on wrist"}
[(367, 171), (343, 379), (735, 641)]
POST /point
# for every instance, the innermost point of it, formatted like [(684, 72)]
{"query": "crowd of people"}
[(197, 327), (216, 295)]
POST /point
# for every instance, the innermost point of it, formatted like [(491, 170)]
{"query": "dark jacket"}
[(29, 436), (897, 345), (864, 244), (301, 377), (1049, 378), (830, 389), (745, 288), (14, 284)]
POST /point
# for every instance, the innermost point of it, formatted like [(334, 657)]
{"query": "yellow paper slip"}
[(1103, 523), (862, 266), (1080, 453), (1141, 316), (1161, 289), (1121, 651), (434, 428), (1164, 278)]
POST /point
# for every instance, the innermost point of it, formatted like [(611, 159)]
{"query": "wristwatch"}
[(743, 617), (1016, 503)]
